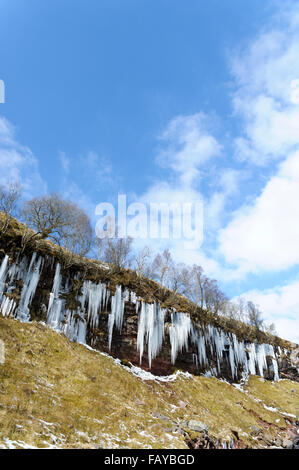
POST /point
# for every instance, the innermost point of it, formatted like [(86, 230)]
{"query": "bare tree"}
[(254, 316), (241, 309), (176, 277), (115, 251), (60, 220), (77, 239), (236, 310), (162, 266), (9, 198), (199, 284), (186, 281), (270, 329), (48, 216), (215, 299), (141, 262)]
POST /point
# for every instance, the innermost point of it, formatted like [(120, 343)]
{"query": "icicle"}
[(275, 369), (261, 359), (201, 347), (239, 355), (75, 327), (54, 314), (142, 327), (195, 360), (7, 306), (269, 351), (111, 319), (117, 313), (150, 328), (126, 295), (252, 358), (232, 361), (96, 299), (29, 286), (3, 272), (179, 333)]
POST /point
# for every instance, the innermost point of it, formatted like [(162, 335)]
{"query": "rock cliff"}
[(132, 318)]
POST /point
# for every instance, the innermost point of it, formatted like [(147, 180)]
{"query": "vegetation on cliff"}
[(12, 242)]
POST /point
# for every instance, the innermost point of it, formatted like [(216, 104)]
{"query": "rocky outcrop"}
[(114, 319)]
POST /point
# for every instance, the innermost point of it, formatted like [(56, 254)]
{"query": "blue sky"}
[(165, 101)]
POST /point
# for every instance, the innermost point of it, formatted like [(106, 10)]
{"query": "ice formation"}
[(96, 296), (179, 332), (117, 312), (3, 272), (55, 306), (30, 281), (210, 347), (150, 329)]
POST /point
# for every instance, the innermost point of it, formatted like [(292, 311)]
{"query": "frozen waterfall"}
[(150, 330)]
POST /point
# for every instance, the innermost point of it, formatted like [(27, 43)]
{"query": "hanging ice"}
[(269, 351), (55, 307), (7, 306), (201, 348), (210, 345), (30, 282), (150, 330), (117, 313), (252, 358), (74, 327), (3, 272), (261, 359), (179, 333), (275, 369), (96, 296), (71, 323)]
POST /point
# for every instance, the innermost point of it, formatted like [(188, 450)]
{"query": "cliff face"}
[(113, 318)]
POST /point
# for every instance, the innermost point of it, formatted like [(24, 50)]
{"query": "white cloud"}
[(17, 163), (189, 146), (264, 236), (266, 99), (98, 168), (279, 305), (65, 162), (189, 150)]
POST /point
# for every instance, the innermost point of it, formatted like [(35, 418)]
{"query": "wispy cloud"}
[(266, 74), (65, 162), (189, 145), (17, 162), (281, 306)]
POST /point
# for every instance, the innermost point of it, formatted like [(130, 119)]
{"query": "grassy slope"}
[(147, 289), (54, 392)]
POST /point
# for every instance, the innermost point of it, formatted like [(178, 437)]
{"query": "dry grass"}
[(54, 392)]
